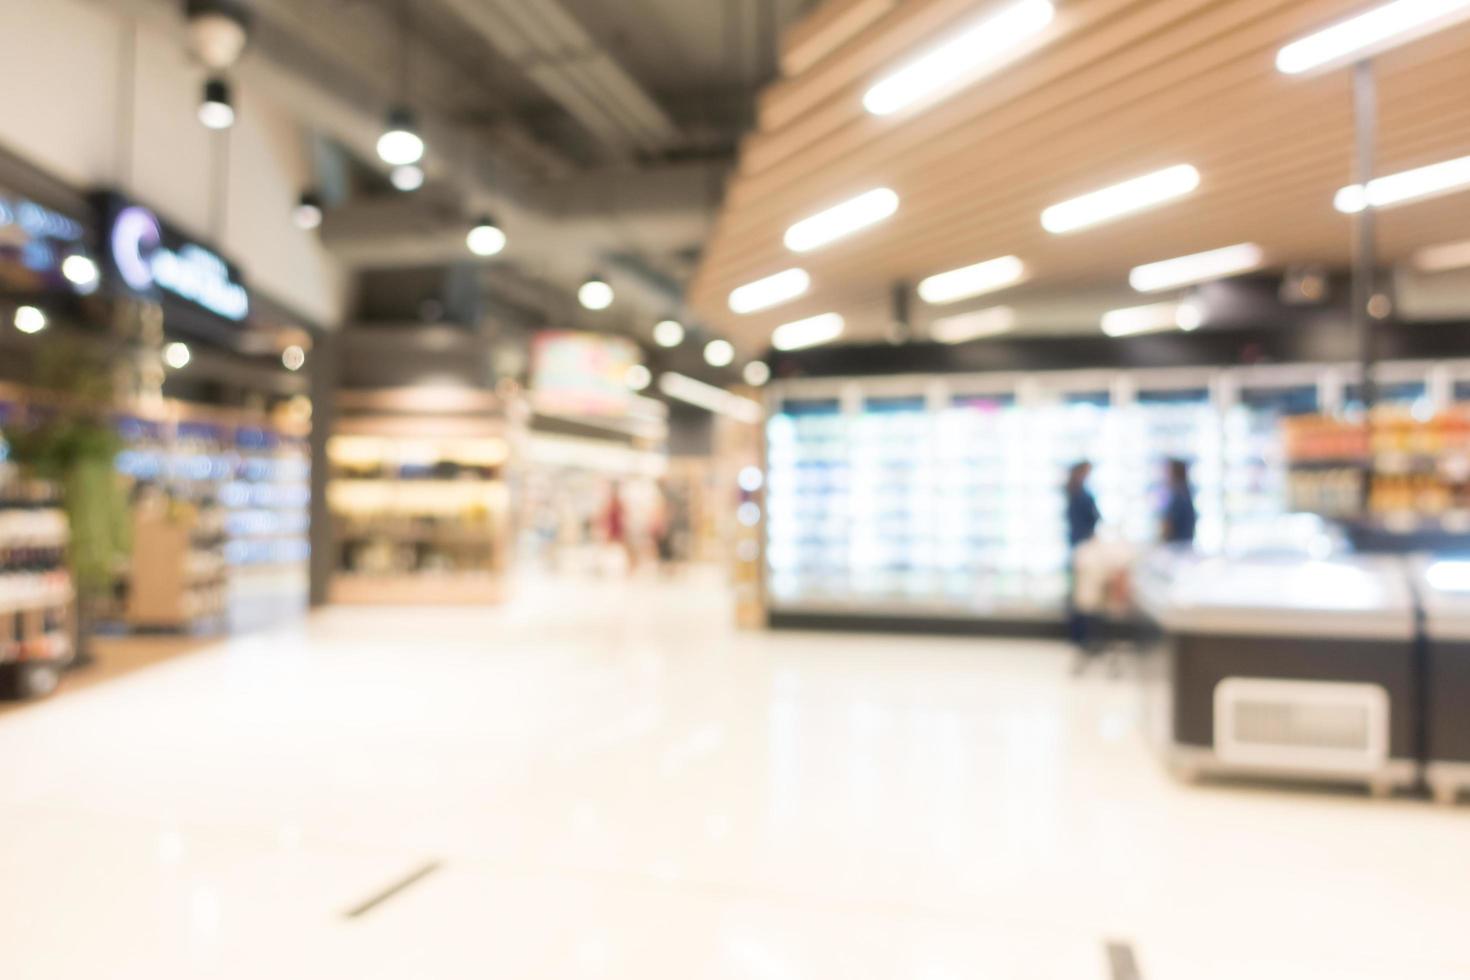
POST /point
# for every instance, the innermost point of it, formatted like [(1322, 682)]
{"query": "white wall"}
[(61, 71)]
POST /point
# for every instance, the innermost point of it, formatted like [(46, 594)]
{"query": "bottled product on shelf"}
[(36, 598)]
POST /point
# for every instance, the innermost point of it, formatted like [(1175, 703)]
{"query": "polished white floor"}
[(618, 784)]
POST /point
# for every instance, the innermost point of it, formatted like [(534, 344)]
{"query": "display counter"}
[(1295, 668), (1444, 590)]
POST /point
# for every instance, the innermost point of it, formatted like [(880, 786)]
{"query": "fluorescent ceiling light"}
[(686, 389), (1401, 188), (838, 221), (972, 280), (1120, 199), (1220, 263), (1368, 33), (972, 326), (1441, 258), (809, 332), (963, 58), (770, 291), (1152, 318)]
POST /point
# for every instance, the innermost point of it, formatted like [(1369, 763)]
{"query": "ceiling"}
[(1110, 90)]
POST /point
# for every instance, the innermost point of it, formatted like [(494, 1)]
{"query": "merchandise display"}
[(419, 519), (36, 597)]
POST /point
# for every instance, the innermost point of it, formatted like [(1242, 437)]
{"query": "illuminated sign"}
[(578, 373), (33, 239), (147, 257)]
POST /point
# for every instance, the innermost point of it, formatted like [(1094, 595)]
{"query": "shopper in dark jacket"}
[(1082, 520), (1179, 516)]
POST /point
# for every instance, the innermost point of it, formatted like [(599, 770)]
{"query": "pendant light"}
[(485, 238), (216, 110), (308, 211), (407, 178), (401, 145), (595, 293)]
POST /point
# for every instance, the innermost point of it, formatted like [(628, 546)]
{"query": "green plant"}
[(71, 442)]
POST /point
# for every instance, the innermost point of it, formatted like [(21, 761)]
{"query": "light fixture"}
[(964, 327), (1152, 318), (1368, 33), (963, 58), (638, 377), (218, 31), (1409, 185), (756, 373), (972, 280), (485, 238), (1186, 270), (81, 271), (1449, 575), (841, 220), (407, 178), (810, 332), (668, 333), (1120, 199), (216, 110), (308, 212), (400, 144), (1441, 258), (719, 353), (176, 355), (293, 358), (708, 397), (770, 291), (30, 319), (595, 293)]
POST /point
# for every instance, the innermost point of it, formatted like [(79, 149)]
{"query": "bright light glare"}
[(751, 479), (756, 373), (668, 333), (400, 147), (485, 240), (293, 358), (1368, 33), (972, 326), (1410, 185), (972, 280), (852, 215), (810, 332), (595, 294), (308, 217), (29, 319), (1120, 199), (963, 58), (686, 389), (80, 270), (407, 178), (1151, 318), (1187, 270), (638, 377), (216, 115), (770, 291), (719, 353), (1449, 576), (176, 355), (1441, 258)]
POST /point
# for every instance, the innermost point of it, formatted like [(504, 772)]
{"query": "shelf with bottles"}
[(37, 601)]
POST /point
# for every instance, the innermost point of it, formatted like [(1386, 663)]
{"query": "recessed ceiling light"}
[(972, 280), (1410, 185), (1368, 33), (841, 220), (1186, 270), (964, 327), (810, 332), (770, 291), (1119, 200), (961, 59)]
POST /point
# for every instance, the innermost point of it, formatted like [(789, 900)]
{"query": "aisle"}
[(605, 780)]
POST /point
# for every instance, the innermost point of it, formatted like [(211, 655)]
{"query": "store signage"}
[(148, 257), (33, 239), (577, 373)]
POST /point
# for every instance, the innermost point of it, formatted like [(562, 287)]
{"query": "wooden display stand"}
[(165, 588)]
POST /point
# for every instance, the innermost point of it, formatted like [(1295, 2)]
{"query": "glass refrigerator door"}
[(893, 526), (808, 504)]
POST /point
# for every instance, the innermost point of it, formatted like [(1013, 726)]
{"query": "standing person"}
[(1179, 517), (1082, 520), (615, 526)]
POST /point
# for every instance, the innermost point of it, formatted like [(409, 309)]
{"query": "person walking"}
[(1179, 517), (1082, 520)]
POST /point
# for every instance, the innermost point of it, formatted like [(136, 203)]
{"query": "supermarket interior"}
[(759, 489)]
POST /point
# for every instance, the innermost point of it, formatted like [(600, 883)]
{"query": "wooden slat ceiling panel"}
[(1116, 88)]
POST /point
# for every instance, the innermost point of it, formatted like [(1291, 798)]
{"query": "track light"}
[(485, 238), (216, 111), (668, 333), (595, 293), (308, 212), (407, 178), (400, 144)]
